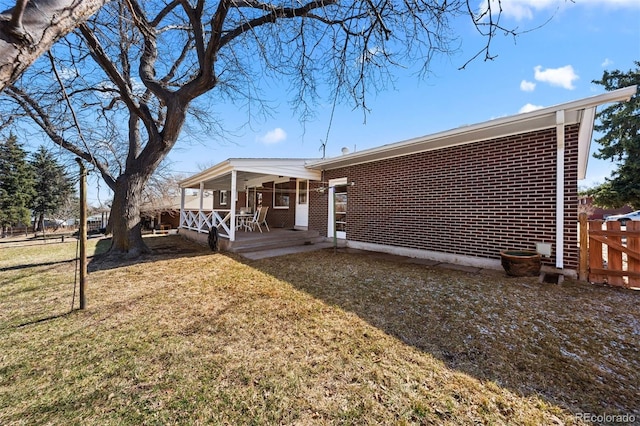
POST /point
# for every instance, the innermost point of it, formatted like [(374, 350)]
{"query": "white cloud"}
[(272, 137), (527, 86), (529, 108), (606, 63), (66, 73), (561, 77), (521, 10)]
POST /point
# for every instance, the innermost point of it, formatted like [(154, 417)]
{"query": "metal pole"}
[(82, 232)]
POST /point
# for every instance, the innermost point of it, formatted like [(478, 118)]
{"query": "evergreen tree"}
[(52, 187), (16, 184), (620, 124)]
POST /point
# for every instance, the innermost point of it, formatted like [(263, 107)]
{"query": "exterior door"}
[(302, 204), (337, 220)]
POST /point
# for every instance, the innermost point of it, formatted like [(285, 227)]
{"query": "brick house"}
[(459, 196)]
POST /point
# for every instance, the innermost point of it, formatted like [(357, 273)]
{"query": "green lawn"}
[(186, 336)]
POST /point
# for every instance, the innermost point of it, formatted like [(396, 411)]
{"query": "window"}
[(302, 191), (255, 198), (281, 195), (341, 208), (223, 198)]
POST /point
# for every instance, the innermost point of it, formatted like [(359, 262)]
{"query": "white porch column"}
[(560, 190), (234, 198), (183, 217), (201, 195)]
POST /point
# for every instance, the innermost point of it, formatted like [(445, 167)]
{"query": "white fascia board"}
[(279, 169), (292, 167), (585, 135), (217, 170), (450, 138), (497, 128)]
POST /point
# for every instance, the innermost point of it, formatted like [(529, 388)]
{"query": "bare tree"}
[(161, 195), (118, 91), (32, 27)]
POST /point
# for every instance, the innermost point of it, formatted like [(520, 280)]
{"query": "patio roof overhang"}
[(581, 111), (251, 172)]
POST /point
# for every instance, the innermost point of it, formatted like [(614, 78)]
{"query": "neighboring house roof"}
[(248, 169), (191, 202), (580, 111)]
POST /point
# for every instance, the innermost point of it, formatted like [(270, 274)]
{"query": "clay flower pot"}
[(521, 263)]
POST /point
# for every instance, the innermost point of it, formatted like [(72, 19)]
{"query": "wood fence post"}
[(595, 254), (633, 243), (614, 255), (583, 271)]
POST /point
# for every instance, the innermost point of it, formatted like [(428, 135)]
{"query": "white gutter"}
[(560, 189), (500, 127)]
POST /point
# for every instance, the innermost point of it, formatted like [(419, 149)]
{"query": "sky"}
[(570, 44)]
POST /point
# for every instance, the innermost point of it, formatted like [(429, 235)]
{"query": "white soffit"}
[(498, 128)]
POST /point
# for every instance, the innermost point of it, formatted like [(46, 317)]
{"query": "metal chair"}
[(260, 219)]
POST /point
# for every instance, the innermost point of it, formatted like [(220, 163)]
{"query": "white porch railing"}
[(202, 220)]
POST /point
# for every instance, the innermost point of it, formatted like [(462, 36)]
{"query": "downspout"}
[(560, 138)]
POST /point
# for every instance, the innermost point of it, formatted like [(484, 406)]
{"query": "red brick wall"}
[(318, 206), (475, 199), (216, 201), (281, 217)]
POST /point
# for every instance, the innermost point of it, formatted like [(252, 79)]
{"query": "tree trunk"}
[(39, 225), (43, 23), (125, 221)]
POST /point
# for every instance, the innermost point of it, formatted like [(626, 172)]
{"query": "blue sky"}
[(549, 65)]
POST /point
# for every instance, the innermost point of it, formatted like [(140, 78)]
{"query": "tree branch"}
[(45, 22), (41, 118), (101, 57)]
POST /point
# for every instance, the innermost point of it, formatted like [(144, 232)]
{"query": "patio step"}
[(278, 242), (277, 238), (283, 251)]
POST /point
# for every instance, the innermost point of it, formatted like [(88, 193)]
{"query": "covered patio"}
[(234, 189)]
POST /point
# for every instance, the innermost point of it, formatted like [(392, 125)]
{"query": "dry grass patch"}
[(187, 336), (574, 345)]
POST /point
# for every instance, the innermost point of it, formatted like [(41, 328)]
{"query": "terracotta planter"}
[(521, 263)]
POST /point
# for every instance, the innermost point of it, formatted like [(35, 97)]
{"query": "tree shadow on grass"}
[(162, 247), (34, 265), (41, 320), (574, 345)]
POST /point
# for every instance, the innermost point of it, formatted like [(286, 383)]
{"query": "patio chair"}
[(250, 221), (259, 219)]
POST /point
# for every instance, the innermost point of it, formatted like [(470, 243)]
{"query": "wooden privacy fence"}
[(613, 254)]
